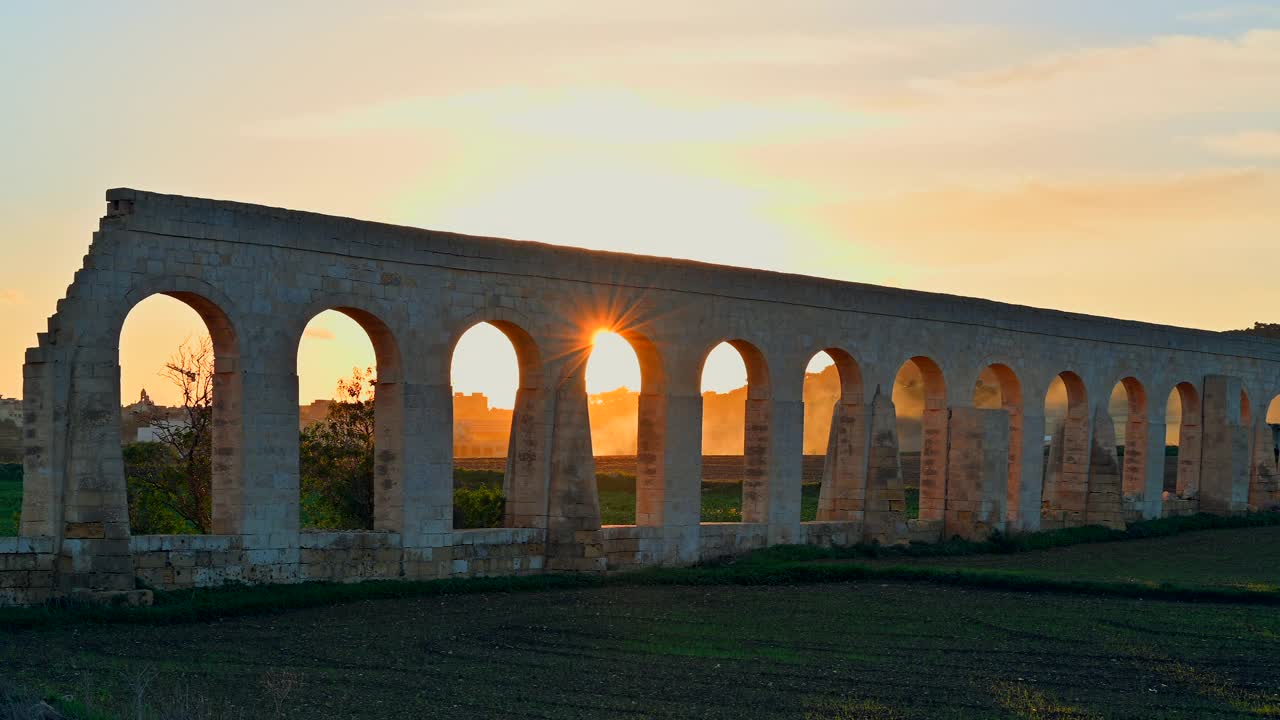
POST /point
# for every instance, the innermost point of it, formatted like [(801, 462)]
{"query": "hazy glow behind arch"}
[(613, 364), (724, 369), (332, 345), (152, 333), (484, 361)]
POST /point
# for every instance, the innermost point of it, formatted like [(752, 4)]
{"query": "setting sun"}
[(613, 363)]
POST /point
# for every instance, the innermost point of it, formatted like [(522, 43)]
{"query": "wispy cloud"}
[(318, 333), (1251, 144), (962, 226), (12, 296), (1233, 12)]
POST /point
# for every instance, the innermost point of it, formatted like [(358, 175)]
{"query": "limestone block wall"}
[(257, 275), (628, 547), (26, 570), (832, 533), (718, 540), (178, 562)]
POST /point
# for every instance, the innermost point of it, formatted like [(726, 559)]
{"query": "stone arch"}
[(758, 385), (524, 477), (1066, 480), (651, 414), (513, 325), (757, 428), (1264, 476), (933, 434), (211, 304), (227, 422), (388, 410), (842, 494), (1010, 400)]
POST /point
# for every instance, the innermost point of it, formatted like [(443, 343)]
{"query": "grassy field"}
[(1243, 558), (838, 651), (726, 641)]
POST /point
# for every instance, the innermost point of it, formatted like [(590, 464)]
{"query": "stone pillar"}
[(1224, 454), (263, 506), (95, 548), (1024, 508), (885, 518), (573, 523), (424, 516), (1134, 467), (1104, 499), (933, 464), (977, 473), (757, 461), (1067, 476), (388, 457), (525, 481), (1264, 481), (43, 411), (227, 440), (1190, 441), (651, 424), (682, 475), (786, 460), (844, 472), (1153, 493)]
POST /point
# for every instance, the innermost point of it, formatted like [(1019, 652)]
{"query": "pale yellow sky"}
[(1119, 161)]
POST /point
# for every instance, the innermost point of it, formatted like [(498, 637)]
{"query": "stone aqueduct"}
[(257, 275)]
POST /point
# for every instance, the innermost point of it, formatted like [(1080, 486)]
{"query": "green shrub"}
[(616, 482), (464, 478), (11, 472), (479, 507), (10, 498)]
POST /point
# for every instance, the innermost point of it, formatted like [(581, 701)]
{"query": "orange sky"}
[(1123, 161)]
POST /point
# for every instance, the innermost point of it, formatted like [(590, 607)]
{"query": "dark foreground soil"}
[(824, 651)]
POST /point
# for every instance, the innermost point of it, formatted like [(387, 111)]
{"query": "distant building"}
[(313, 413), (11, 410), (10, 430), (141, 421), (479, 430)]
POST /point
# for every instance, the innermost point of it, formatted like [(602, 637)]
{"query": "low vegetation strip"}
[(782, 565)]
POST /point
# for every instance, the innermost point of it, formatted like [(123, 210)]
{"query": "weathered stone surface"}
[(257, 275)]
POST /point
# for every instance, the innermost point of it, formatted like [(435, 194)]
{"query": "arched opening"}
[(1128, 409), (496, 446), (1182, 442), (1273, 427), (1067, 452), (180, 444), (998, 388), (834, 472), (613, 380), (920, 401), (735, 434), (1264, 477), (351, 423)]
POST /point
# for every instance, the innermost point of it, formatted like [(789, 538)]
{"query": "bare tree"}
[(177, 468)]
